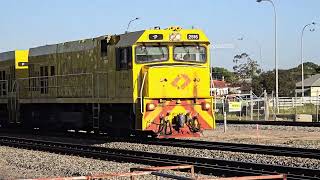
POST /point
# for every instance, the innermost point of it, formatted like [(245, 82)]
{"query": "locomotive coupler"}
[(179, 121), (165, 125)]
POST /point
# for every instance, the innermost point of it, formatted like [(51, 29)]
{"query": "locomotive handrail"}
[(212, 95), (211, 85), (57, 84), (141, 91), (60, 75), (4, 91)]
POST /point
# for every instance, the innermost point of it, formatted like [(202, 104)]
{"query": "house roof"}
[(300, 90), (311, 81), (219, 84)]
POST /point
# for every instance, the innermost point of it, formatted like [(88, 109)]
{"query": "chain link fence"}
[(242, 106)]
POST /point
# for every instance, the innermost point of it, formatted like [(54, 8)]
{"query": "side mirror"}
[(129, 65)]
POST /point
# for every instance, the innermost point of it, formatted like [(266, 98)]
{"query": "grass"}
[(234, 116), (305, 109)]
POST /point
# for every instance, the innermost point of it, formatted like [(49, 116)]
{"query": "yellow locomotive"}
[(155, 80)]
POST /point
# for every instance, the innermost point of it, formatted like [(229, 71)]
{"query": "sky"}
[(31, 23)]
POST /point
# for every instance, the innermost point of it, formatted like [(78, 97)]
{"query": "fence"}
[(263, 107), (242, 107), (292, 107), (297, 101)]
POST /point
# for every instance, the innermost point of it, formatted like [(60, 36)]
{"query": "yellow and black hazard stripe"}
[(170, 109)]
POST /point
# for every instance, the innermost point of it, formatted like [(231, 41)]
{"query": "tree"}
[(309, 68), (287, 79), (263, 82), (245, 66), (218, 72), (266, 81)]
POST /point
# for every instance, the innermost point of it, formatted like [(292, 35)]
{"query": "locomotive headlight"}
[(205, 106), (175, 37), (151, 106), (178, 37)]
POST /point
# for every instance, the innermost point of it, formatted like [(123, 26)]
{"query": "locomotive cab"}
[(172, 72)]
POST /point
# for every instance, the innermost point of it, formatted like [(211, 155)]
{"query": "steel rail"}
[(234, 147), (195, 144), (273, 123), (203, 165)]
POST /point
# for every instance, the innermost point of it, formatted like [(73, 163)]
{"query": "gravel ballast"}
[(226, 155), (301, 137), (21, 163), (41, 164)]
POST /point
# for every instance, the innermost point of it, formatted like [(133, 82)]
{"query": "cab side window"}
[(104, 48), (124, 58)]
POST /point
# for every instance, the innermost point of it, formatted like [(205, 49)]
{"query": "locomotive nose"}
[(177, 81), (177, 100)]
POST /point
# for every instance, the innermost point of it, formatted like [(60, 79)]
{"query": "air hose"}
[(194, 125)]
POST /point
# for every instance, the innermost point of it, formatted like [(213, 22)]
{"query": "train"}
[(154, 81)]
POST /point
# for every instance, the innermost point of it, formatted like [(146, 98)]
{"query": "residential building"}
[(220, 87), (311, 86)]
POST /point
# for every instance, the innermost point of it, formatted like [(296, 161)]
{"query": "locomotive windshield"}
[(190, 53), (151, 53)]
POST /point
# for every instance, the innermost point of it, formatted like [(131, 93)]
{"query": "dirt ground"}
[(23, 164), (275, 135)]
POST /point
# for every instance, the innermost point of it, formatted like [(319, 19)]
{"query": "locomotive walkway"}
[(203, 165)]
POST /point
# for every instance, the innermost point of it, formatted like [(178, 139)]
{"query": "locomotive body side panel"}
[(78, 70), (6, 79), (68, 80)]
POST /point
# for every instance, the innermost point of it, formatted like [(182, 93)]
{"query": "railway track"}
[(273, 123), (196, 144), (203, 165), (237, 147)]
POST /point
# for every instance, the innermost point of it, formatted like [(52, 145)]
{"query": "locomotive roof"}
[(72, 46), (173, 34), (162, 35), (7, 56), (127, 39)]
